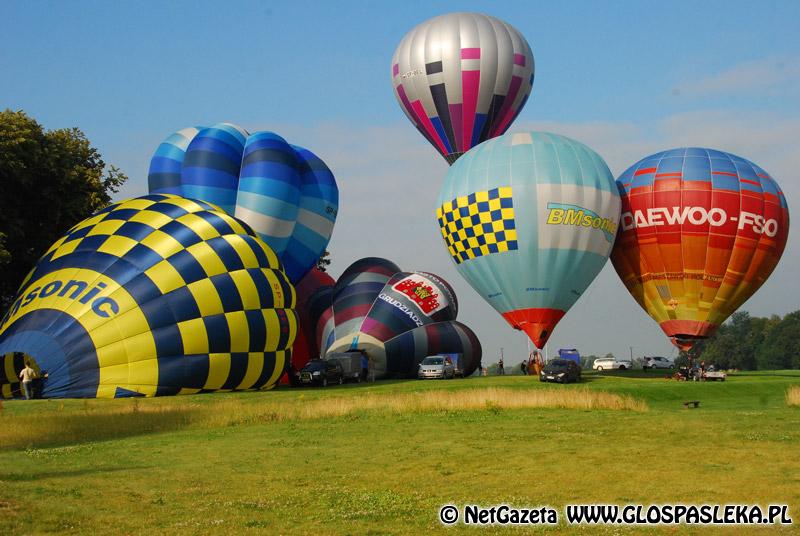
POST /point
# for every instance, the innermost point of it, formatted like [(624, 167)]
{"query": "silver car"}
[(436, 366)]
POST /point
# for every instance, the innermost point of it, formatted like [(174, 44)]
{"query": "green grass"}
[(382, 458)]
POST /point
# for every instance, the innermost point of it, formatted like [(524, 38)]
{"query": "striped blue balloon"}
[(164, 176), (285, 193), (269, 189), (211, 165), (319, 203)]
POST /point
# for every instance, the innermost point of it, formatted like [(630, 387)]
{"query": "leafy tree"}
[(51, 180), (324, 261), (781, 345)]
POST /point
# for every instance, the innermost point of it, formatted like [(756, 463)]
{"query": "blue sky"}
[(628, 78)]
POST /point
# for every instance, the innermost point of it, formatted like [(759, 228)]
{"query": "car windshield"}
[(315, 365), (558, 365), (432, 361)]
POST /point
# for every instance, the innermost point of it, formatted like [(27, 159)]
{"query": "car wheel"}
[(622, 367), (324, 382), (599, 369), (671, 367)]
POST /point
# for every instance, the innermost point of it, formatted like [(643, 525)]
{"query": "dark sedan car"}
[(561, 371), (322, 372)]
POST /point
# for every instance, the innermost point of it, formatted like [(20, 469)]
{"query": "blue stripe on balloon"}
[(477, 128), (268, 204), (209, 178), (437, 124), (223, 198)]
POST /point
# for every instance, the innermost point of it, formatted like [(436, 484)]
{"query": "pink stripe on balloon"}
[(470, 84), (401, 92), (455, 118), (507, 112), (519, 59), (395, 69), (428, 126), (470, 53)]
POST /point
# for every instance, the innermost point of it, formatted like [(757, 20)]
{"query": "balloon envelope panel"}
[(462, 78), (154, 296), (529, 220), (397, 317), (701, 231), (305, 345), (284, 192)]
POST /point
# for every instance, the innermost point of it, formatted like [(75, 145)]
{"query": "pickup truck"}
[(611, 363)]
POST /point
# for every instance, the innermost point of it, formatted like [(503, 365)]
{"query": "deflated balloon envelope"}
[(529, 220), (701, 231), (397, 317), (157, 295), (305, 344), (462, 78), (284, 192)]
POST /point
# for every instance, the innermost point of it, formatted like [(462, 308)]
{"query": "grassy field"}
[(382, 458)]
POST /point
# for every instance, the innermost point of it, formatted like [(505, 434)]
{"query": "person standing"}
[(27, 375), (371, 371), (364, 366), (500, 368)]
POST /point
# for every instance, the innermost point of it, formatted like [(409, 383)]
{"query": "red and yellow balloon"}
[(701, 230)]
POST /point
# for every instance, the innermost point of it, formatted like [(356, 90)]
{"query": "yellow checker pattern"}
[(479, 224), (196, 309)]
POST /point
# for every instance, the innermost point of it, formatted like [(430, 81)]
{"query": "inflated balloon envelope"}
[(701, 231), (529, 220), (157, 295), (462, 78), (284, 192)]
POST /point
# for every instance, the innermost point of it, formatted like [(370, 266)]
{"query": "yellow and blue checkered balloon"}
[(157, 295)]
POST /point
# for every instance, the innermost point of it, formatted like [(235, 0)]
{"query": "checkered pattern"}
[(478, 224), (212, 303)]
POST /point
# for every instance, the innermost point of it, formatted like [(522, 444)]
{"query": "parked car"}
[(654, 362), (458, 363), (611, 363), (322, 372), (436, 366), (351, 364), (561, 371)]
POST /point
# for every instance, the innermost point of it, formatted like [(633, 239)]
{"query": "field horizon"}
[(382, 458)]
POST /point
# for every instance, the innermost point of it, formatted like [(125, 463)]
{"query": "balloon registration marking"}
[(478, 224)]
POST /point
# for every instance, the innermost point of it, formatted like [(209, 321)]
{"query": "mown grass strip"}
[(102, 419)]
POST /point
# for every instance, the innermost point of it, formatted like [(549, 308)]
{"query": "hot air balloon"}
[(462, 78), (398, 318), (305, 344), (284, 192), (157, 295), (701, 231), (529, 220)]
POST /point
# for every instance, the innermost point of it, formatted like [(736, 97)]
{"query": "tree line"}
[(754, 343), (51, 180)]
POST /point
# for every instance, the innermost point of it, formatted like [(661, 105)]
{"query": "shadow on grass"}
[(67, 473), (56, 429), (637, 374), (753, 374)]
